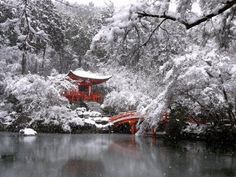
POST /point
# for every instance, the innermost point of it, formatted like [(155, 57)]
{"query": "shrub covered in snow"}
[(39, 98), (128, 91), (36, 92), (38, 102), (202, 80), (194, 128)]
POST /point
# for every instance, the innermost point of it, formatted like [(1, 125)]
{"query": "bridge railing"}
[(123, 115)]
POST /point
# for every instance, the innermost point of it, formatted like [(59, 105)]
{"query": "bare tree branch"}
[(167, 32), (189, 25), (150, 36)]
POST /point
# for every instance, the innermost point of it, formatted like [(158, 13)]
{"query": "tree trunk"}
[(43, 62), (61, 61), (23, 63), (80, 61)]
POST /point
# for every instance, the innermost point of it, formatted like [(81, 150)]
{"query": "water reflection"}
[(81, 167), (27, 139), (108, 156)]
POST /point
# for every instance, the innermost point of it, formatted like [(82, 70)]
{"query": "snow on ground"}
[(78, 117), (194, 128), (28, 132), (81, 111), (92, 117)]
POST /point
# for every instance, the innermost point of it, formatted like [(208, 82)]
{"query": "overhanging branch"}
[(159, 25), (187, 24)]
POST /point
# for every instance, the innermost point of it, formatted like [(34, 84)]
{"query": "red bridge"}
[(130, 118), (133, 118)]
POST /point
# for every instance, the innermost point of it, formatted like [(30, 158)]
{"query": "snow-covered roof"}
[(81, 74), (90, 75)]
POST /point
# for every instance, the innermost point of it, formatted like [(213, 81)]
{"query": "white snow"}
[(89, 121), (76, 121), (90, 117), (28, 132), (173, 6), (105, 119), (88, 74), (196, 8), (194, 128), (94, 114)]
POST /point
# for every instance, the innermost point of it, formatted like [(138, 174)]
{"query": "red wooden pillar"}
[(154, 131), (133, 128), (89, 90)]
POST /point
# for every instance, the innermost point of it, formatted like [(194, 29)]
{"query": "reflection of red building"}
[(83, 167), (127, 147), (85, 81)]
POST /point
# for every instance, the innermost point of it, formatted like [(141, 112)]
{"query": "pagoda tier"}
[(86, 77), (85, 81)]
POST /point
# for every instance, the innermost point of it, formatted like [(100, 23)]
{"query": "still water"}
[(96, 155)]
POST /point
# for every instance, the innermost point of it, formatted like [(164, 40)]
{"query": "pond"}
[(109, 155)]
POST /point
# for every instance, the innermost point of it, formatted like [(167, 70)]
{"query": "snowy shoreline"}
[(84, 121), (213, 136)]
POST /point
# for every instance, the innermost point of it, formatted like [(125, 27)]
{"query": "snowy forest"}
[(169, 56)]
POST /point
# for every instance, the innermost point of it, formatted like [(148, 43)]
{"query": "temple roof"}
[(87, 76)]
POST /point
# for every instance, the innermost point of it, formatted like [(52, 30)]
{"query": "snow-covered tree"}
[(160, 40)]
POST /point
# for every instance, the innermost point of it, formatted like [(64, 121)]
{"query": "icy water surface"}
[(95, 155)]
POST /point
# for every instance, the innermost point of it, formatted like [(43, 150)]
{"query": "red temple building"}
[(85, 81)]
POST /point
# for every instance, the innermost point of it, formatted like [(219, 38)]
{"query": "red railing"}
[(123, 115), (75, 95)]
